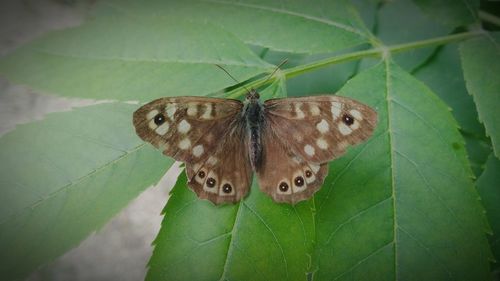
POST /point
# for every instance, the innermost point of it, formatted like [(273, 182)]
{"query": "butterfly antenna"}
[(276, 69), (232, 77)]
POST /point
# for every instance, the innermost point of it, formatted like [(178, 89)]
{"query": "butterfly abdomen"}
[(255, 120)]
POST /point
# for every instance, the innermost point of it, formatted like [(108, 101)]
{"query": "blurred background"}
[(121, 249)]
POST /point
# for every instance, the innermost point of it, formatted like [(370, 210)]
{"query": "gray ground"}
[(121, 249)]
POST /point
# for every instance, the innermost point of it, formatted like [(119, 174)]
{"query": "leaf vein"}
[(144, 60), (360, 213), (272, 233), (74, 182), (419, 243), (295, 14), (430, 187), (346, 168), (364, 259)]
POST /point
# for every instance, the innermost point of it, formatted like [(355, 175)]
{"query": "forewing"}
[(225, 176), (191, 127), (320, 128), (286, 176)]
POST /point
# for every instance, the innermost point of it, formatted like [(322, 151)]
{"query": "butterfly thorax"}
[(254, 116)]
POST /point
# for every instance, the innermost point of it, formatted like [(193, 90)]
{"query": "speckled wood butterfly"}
[(287, 142)]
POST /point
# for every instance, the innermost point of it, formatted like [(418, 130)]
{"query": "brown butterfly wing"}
[(192, 126), (320, 128), (286, 176), (206, 134), (226, 176)]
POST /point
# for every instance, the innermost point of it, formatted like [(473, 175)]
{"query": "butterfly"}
[(287, 142)]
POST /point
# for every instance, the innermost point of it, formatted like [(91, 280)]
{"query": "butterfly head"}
[(252, 96)]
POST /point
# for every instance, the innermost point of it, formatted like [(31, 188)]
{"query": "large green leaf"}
[(64, 177), (403, 206), (481, 65), (120, 56), (255, 239), (279, 25), (325, 80), (451, 12), (488, 186), (443, 74), (478, 150), (402, 21)]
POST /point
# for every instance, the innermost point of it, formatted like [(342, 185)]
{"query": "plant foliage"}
[(402, 206)]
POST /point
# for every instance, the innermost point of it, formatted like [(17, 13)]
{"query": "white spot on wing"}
[(192, 109), (355, 125), (212, 160), (314, 109), (356, 114), (298, 111), (185, 144), (152, 125), (198, 150), (170, 110), (208, 111), (183, 126), (309, 150), (296, 160), (344, 129), (321, 143), (336, 109), (152, 114), (162, 129), (323, 126), (315, 168)]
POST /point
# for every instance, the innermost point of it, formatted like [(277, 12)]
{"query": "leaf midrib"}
[(138, 60), (390, 130)]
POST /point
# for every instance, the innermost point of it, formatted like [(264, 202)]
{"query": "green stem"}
[(489, 18), (374, 52)]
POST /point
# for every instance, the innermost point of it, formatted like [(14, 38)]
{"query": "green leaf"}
[(324, 80), (443, 74), (481, 66), (402, 21), (127, 58), (64, 177), (402, 206), (255, 239), (451, 12), (281, 26), (478, 150), (488, 186)]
